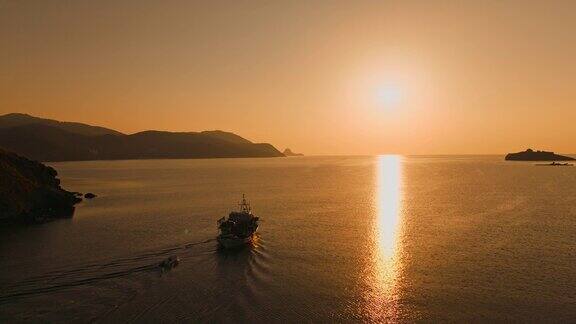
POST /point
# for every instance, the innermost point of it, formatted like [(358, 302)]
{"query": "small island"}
[(288, 152), (531, 155)]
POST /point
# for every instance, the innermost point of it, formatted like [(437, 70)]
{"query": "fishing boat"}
[(239, 228)]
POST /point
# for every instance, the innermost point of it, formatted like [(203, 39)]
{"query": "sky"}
[(319, 77)]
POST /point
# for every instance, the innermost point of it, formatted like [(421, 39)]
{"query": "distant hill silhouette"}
[(288, 152), (226, 136), (531, 155), (50, 142), (14, 120)]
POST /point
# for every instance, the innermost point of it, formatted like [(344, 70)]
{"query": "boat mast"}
[(244, 205)]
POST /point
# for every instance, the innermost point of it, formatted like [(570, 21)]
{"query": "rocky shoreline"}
[(30, 192)]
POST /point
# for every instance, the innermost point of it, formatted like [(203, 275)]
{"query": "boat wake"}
[(65, 278), (219, 284)]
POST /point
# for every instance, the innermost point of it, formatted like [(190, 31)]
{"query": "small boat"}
[(239, 228), (169, 264), (556, 164)]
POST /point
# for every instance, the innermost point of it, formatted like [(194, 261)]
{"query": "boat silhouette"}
[(239, 228)]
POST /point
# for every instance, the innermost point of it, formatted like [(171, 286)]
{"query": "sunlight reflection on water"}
[(382, 297)]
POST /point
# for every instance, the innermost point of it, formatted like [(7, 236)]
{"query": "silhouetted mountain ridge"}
[(44, 142), (227, 136), (16, 119)]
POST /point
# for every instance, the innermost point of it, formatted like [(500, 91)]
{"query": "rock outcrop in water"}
[(288, 152), (50, 140), (89, 195), (531, 155), (30, 191)]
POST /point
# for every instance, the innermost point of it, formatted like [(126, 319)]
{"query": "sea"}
[(342, 239)]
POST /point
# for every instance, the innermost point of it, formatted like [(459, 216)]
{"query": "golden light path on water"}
[(382, 298)]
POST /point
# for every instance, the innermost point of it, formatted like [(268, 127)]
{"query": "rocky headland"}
[(30, 191)]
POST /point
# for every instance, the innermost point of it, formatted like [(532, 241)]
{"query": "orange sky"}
[(321, 77)]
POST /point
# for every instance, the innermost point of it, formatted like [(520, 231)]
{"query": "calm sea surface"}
[(342, 239)]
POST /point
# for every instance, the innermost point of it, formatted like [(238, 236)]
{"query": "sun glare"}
[(389, 96), (382, 294), (388, 203)]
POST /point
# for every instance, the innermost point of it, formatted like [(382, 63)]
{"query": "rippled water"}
[(342, 239)]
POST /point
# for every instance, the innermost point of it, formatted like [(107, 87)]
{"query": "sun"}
[(389, 96)]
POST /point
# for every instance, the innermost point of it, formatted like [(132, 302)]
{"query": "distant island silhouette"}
[(51, 140), (531, 155), (288, 152)]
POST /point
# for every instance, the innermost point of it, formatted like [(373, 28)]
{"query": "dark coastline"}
[(30, 192)]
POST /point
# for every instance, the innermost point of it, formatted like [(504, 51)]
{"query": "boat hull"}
[(228, 242)]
